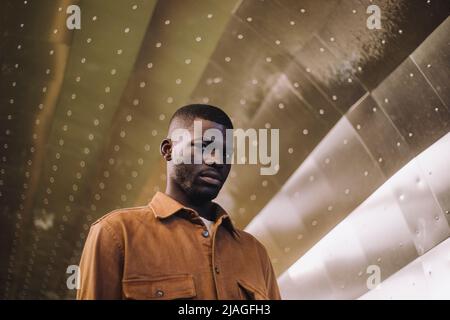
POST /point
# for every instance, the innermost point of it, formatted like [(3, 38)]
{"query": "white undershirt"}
[(208, 223)]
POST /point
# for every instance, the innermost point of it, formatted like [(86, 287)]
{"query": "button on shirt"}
[(163, 251)]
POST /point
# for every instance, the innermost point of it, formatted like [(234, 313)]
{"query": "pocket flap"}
[(179, 286), (250, 292)]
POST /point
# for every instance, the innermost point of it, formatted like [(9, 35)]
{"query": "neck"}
[(204, 209)]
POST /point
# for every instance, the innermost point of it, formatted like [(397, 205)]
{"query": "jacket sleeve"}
[(101, 265), (273, 291)]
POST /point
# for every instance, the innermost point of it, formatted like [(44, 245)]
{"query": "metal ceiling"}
[(363, 117)]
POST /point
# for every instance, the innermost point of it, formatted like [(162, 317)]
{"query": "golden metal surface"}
[(82, 113)]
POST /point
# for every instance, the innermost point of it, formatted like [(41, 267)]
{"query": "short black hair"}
[(202, 111)]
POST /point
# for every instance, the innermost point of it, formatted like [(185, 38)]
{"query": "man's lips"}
[(211, 177)]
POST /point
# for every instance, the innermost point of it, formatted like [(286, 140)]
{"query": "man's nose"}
[(213, 159)]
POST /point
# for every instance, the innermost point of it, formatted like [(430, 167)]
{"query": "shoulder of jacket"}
[(121, 215), (248, 237), (253, 241)]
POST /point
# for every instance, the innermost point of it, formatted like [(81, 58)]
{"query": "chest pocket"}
[(179, 286), (248, 291)]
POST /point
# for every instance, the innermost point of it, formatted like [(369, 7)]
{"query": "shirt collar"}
[(163, 206)]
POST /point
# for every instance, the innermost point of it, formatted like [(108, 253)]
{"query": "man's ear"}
[(166, 149)]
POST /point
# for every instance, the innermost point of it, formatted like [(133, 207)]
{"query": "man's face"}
[(201, 182)]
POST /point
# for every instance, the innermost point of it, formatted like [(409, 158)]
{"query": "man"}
[(181, 245)]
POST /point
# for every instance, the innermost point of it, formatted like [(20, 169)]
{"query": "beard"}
[(185, 177)]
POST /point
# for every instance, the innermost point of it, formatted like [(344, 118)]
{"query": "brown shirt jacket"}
[(164, 251)]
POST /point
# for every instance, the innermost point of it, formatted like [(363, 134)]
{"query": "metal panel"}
[(413, 106), (381, 137), (371, 54), (427, 277), (286, 24), (340, 86), (53, 188), (432, 59), (337, 176), (387, 231), (434, 169)]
